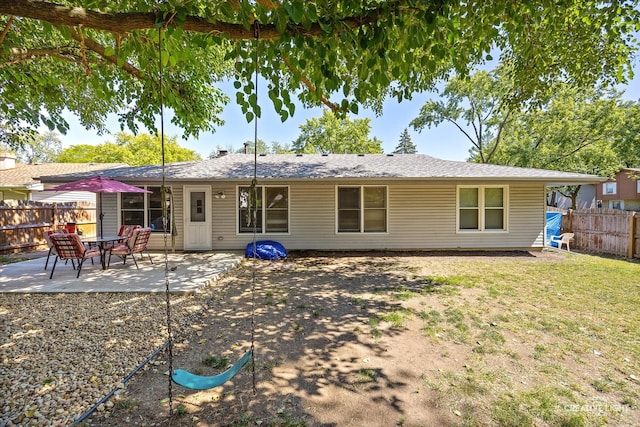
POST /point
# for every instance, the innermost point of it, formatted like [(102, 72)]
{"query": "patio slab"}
[(187, 272)]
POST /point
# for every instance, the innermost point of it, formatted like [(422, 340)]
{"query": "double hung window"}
[(609, 188), (267, 209), (482, 208), (362, 209), (144, 209)]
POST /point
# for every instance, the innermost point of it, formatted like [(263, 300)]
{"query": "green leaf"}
[(295, 10)]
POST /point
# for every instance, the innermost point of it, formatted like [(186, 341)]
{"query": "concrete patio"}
[(187, 272)]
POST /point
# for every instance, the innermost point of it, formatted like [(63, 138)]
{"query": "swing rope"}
[(164, 221), (179, 376), (254, 185)]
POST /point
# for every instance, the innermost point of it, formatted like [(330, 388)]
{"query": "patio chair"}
[(69, 247), (137, 243), (125, 232), (563, 239), (52, 249)]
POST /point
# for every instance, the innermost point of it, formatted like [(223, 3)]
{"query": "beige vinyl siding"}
[(224, 227), (420, 217), (111, 220)]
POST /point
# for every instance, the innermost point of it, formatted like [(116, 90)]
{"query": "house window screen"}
[(469, 209), (276, 209), (494, 209), (349, 209)]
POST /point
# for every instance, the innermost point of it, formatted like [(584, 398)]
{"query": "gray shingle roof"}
[(24, 175), (342, 166)]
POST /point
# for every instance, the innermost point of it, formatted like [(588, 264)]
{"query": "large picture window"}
[(482, 208), (362, 209), (271, 210), (144, 209)]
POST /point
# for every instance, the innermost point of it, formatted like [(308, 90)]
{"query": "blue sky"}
[(445, 141)]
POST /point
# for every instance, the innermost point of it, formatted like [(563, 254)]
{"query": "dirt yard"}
[(351, 340)]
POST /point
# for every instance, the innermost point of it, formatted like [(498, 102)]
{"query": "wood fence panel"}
[(23, 223), (601, 230), (636, 237)]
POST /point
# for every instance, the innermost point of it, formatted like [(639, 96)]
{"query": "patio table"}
[(103, 244)]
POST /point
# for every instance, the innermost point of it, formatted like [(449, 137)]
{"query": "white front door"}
[(197, 218)]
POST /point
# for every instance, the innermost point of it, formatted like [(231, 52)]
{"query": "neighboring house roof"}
[(332, 166), (28, 176)]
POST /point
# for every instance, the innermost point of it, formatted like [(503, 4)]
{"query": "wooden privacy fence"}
[(609, 231), (24, 222)]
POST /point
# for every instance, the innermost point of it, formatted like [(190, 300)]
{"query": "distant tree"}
[(277, 148), (219, 148), (264, 148), (331, 134), (627, 143), (248, 147), (135, 150), (40, 148), (576, 131), (79, 153), (13, 135), (406, 145), (477, 107)]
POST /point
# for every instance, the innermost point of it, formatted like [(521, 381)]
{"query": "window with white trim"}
[(638, 186), (273, 213), (609, 188), (362, 209), (144, 209), (482, 208)]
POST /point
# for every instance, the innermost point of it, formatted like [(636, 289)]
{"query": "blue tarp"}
[(266, 249), (554, 224)]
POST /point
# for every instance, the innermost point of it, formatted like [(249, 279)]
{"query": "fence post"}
[(54, 216), (632, 235), (570, 221)]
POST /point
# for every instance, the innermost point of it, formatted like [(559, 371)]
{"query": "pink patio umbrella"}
[(98, 184)]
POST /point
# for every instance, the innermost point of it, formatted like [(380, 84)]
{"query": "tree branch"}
[(96, 47), (501, 127), (6, 28), (16, 55), (333, 107), (124, 22)]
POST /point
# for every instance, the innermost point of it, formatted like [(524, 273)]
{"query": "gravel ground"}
[(62, 353)]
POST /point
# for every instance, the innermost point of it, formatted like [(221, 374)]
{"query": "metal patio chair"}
[(70, 247)]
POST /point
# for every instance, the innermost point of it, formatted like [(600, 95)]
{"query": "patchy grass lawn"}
[(465, 339), (580, 316)]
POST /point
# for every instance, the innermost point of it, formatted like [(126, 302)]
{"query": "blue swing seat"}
[(199, 382)]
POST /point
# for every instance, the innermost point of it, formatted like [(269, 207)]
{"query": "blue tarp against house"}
[(554, 224), (266, 249)]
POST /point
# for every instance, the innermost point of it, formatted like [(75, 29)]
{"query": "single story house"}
[(339, 202), (21, 181)]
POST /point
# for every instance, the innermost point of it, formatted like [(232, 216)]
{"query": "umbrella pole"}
[(101, 214)]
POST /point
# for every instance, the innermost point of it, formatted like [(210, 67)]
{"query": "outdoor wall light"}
[(220, 195)]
